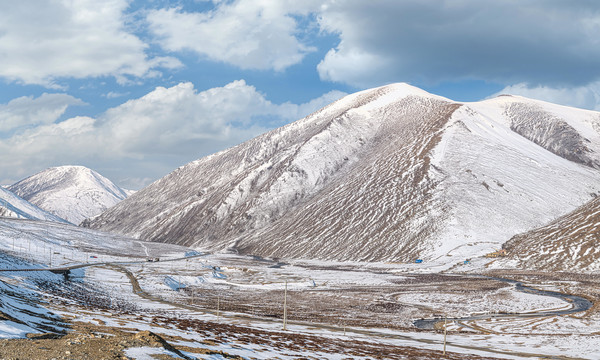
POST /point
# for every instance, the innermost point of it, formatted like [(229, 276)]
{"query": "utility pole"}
[(218, 305), (445, 332), (285, 306)]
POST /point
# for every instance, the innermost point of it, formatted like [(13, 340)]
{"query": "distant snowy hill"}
[(73, 193), (13, 206), (387, 174)]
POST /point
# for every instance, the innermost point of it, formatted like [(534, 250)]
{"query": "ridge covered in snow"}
[(13, 206), (73, 193), (387, 174)]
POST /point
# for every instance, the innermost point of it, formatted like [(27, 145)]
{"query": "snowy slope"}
[(387, 174), (72, 192), (13, 206), (497, 183)]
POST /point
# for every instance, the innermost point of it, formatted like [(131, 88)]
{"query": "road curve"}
[(578, 304)]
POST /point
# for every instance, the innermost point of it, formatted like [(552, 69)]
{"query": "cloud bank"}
[(44, 41), (538, 42), (27, 111), (248, 34)]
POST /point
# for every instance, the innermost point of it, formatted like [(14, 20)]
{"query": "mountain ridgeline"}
[(387, 174)]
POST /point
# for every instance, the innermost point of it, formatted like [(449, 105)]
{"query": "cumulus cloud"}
[(41, 41), (247, 34), (586, 97), (30, 111), (153, 134), (429, 41)]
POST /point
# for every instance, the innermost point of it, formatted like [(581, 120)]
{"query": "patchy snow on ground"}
[(168, 284), (148, 353), (500, 301)]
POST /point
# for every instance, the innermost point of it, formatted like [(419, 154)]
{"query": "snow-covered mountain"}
[(13, 206), (73, 193), (387, 174)]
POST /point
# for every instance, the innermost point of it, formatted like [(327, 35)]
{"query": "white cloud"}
[(27, 111), (585, 97), (42, 41), (151, 135), (114, 94), (247, 34), (431, 41)]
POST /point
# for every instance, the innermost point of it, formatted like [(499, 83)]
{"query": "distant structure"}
[(497, 253)]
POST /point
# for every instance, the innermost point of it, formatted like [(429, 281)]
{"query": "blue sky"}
[(134, 89)]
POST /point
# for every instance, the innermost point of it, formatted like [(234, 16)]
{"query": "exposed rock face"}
[(551, 132)]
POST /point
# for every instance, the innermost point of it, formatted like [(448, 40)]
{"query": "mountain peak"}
[(408, 89), (397, 91), (72, 192)]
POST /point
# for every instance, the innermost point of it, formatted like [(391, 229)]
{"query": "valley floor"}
[(214, 306)]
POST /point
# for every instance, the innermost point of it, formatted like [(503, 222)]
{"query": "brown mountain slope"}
[(362, 160), (383, 201), (571, 242)]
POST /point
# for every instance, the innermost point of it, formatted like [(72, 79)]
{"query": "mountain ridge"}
[(13, 206), (71, 192)]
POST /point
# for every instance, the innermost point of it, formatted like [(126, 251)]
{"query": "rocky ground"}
[(97, 342)]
